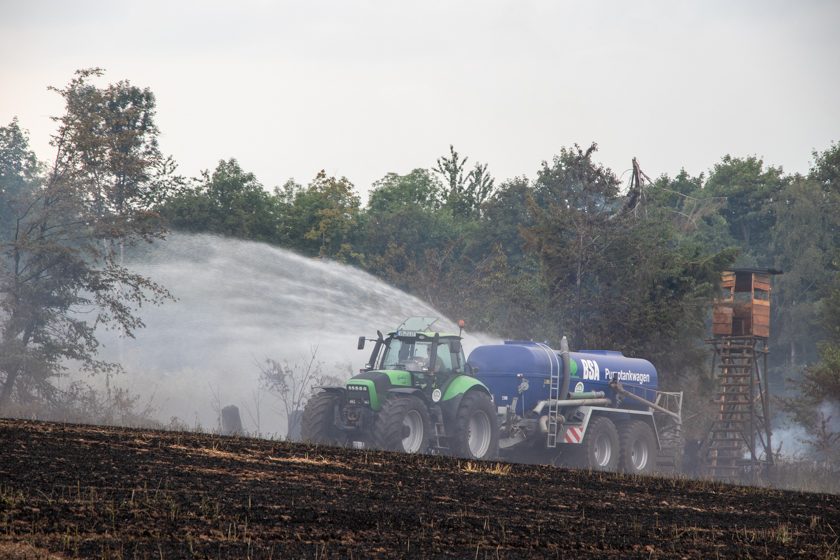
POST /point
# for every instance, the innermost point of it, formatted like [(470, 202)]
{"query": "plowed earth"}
[(71, 491)]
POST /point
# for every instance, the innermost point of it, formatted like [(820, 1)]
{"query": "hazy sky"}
[(361, 88)]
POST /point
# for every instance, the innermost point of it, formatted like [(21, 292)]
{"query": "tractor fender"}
[(454, 393), (340, 391)]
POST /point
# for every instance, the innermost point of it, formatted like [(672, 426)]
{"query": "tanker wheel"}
[(599, 449), (638, 448), (476, 433), (403, 424), (317, 425)]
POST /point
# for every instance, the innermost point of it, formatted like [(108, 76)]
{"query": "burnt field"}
[(70, 491)]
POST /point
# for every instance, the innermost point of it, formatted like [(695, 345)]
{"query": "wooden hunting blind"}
[(743, 308), (739, 439)]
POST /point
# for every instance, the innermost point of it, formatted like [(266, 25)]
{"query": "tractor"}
[(416, 394)]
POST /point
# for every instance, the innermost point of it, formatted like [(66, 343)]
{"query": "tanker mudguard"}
[(523, 369)]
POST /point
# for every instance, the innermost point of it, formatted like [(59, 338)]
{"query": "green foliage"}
[(807, 243), (464, 194), (803, 243), (504, 215), (64, 233), (394, 192), (748, 187), (826, 168), (229, 202), (19, 173), (322, 215)]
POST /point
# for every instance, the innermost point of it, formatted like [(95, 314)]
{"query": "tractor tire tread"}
[(318, 421), (460, 446), (629, 432), (387, 433), (585, 455)]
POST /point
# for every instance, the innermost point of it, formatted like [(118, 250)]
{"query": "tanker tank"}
[(523, 369)]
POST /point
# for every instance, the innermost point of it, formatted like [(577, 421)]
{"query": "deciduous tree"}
[(61, 271)]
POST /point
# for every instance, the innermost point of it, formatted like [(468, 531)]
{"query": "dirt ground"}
[(69, 491)]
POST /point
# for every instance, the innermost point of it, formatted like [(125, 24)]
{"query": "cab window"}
[(444, 359), (406, 354)]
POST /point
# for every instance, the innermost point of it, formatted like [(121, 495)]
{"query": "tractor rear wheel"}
[(638, 448), (317, 424), (403, 424), (476, 433), (599, 449)]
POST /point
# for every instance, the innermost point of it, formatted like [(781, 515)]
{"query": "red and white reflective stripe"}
[(573, 435)]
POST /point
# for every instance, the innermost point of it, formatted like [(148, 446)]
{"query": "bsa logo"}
[(591, 370), (579, 387), (436, 395)]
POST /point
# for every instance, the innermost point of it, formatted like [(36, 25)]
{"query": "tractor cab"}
[(430, 358)]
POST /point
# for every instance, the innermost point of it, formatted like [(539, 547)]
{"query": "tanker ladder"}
[(556, 374)]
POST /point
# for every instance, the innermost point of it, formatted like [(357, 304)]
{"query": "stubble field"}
[(70, 491)]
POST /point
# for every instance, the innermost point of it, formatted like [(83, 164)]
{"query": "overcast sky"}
[(361, 88)]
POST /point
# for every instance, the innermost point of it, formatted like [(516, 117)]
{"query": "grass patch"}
[(500, 469)]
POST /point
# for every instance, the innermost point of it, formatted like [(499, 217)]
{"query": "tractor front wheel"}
[(476, 433), (403, 424), (317, 424)]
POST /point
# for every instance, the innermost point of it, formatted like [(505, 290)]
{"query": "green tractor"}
[(416, 394)]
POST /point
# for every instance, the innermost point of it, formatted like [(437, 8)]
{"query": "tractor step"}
[(440, 434)]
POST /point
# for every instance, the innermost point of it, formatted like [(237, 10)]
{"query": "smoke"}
[(239, 302), (794, 441), (791, 440)]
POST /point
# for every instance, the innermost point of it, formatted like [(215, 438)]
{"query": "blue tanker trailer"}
[(592, 409)]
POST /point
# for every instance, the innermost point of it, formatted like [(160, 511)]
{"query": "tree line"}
[(574, 249)]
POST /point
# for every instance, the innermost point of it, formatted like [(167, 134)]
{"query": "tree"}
[(572, 202), (321, 216), (417, 189), (61, 271), (808, 242), (464, 194), (505, 214), (19, 173), (803, 246), (826, 168), (403, 219), (815, 406), (748, 186), (480, 186), (230, 201)]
